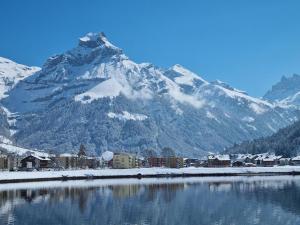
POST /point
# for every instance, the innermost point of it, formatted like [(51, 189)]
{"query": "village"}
[(41, 161)]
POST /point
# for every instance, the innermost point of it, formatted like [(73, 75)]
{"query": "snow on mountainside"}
[(284, 142), (10, 74), (95, 95), (286, 92), (12, 149)]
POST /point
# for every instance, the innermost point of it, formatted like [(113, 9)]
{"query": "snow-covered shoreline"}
[(274, 181), (15, 177)]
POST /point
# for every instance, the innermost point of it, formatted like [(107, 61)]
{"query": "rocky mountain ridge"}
[(95, 95)]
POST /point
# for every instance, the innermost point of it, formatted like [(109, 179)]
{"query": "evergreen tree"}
[(82, 151), (149, 153), (167, 152)]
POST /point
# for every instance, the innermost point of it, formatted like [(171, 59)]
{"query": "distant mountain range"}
[(285, 92), (95, 95), (287, 140)]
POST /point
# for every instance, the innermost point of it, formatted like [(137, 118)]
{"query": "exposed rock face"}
[(286, 91)]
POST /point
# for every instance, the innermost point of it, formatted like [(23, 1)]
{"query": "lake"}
[(208, 200)]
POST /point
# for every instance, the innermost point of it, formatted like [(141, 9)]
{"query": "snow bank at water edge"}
[(143, 172)]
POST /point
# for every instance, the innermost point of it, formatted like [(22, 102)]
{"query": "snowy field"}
[(23, 176)]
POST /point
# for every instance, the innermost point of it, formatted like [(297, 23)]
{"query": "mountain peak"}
[(92, 46), (182, 70), (287, 87), (227, 86), (94, 40), (182, 75)]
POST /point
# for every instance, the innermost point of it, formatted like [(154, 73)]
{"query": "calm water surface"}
[(237, 200)]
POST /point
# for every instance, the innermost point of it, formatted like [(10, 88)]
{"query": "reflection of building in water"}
[(171, 203), (123, 191), (75, 195), (31, 195), (166, 191), (220, 186), (8, 201)]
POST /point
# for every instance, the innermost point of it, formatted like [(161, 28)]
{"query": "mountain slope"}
[(285, 142), (286, 91), (10, 74), (94, 94)]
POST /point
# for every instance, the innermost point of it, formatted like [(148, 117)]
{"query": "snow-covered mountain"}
[(10, 74), (286, 91), (95, 95)]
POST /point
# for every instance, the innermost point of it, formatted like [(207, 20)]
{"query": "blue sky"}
[(248, 44)]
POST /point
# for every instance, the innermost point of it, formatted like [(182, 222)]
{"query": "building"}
[(284, 161), (174, 162), (259, 159), (66, 161), (218, 161), (238, 163), (246, 158), (271, 160), (156, 162), (35, 162), (268, 162), (141, 162), (124, 161), (296, 161), (3, 162), (90, 162), (192, 162), (13, 162)]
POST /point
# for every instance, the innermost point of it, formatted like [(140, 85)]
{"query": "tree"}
[(149, 153), (82, 151), (167, 152)]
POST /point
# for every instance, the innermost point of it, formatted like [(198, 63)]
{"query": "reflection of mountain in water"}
[(224, 202), (284, 194)]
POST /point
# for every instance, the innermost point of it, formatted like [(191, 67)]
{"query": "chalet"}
[(268, 161), (192, 162), (246, 158), (35, 162), (284, 161), (124, 161), (238, 163), (296, 161), (218, 161), (271, 160), (259, 159)]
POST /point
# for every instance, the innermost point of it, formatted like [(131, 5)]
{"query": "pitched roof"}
[(68, 155), (38, 157), (219, 157), (296, 158)]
